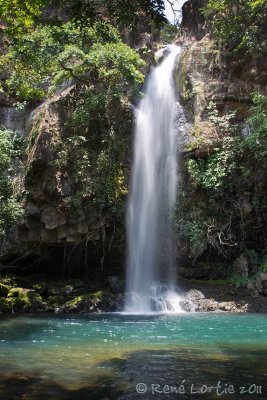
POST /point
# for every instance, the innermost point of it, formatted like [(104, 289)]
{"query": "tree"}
[(20, 15), (239, 25), (10, 209), (39, 62)]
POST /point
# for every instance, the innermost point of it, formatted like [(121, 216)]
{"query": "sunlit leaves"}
[(20, 15), (10, 209), (239, 25), (42, 60)]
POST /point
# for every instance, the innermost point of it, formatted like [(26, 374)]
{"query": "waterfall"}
[(151, 250)]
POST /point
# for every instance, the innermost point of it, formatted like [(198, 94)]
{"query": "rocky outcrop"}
[(48, 218), (64, 227), (194, 25), (204, 75), (61, 204), (77, 296), (208, 76)]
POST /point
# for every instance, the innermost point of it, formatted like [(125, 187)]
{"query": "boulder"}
[(53, 218), (160, 54)]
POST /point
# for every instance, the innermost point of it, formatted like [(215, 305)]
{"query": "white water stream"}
[(151, 252)]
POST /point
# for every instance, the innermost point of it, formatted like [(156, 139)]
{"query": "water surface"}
[(107, 356)]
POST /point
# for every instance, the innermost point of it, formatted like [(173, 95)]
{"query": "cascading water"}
[(150, 263)]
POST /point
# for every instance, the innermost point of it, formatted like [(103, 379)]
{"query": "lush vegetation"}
[(22, 15), (218, 179), (237, 156), (39, 62), (239, 25), (86, 53), (10, 208), (107, 73)]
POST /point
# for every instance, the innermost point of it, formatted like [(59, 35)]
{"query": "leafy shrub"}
[(41, 61), (239, 25), (10, 208), (256, 141), (219, 178), (213, 172), (20, 15), (168, 33)]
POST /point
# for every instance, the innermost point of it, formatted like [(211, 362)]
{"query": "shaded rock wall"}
[(64, 224)]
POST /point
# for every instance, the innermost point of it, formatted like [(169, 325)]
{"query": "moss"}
[(75, 302), (19, 299), (41, 287), (89, 300), (97, 295), (182, 81), (21, 294)]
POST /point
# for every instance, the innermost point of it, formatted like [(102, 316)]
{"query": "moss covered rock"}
[(21, 299)]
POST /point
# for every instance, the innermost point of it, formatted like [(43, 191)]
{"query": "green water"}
[(107, 356)]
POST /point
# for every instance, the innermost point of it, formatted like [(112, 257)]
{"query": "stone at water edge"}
[(160, 54)]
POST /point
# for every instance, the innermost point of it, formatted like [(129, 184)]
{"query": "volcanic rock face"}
[(56, 214), (206, 76), (49, 220), (55, 220)]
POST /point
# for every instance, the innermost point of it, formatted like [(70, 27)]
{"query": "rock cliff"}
[(75, 202), (217, 224)]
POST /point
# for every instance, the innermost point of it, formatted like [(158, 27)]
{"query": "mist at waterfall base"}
[(151, 204)]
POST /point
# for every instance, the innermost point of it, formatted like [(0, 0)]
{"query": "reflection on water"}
[(106, 357)]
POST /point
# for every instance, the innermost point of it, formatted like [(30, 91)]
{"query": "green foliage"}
[(123, 13), (107, 73), (10, 209), (240, 25), (213, 172), (41, 61), (99, 167), (256, 141), (219, 178), (168, 33), (238, 280), (224, 123), (20, 15), (217, 171), (127, 12), (194, 233)]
